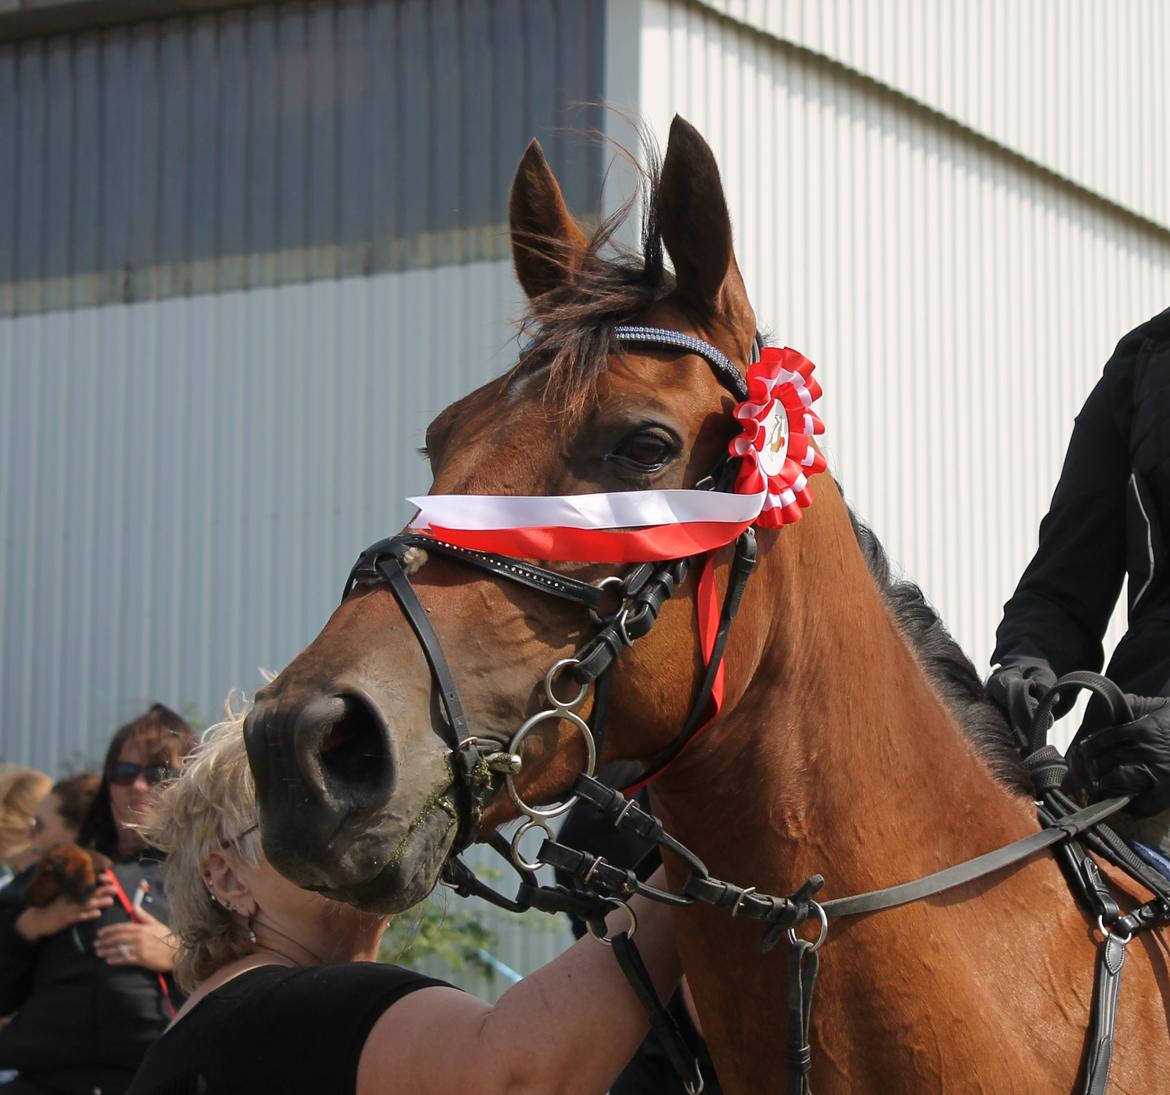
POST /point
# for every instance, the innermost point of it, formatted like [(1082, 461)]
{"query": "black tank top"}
[(277, 1029)]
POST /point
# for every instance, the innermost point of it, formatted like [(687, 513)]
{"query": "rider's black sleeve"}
[(1062, 605)]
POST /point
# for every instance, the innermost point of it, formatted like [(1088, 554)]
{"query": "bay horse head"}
[(353, 769)]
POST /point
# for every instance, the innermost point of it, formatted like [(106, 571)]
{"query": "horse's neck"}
[(837, 757), (835, 738)]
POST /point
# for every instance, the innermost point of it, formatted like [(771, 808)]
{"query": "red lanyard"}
[(132, 912)]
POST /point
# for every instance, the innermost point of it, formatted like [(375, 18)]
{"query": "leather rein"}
[(480, 765)]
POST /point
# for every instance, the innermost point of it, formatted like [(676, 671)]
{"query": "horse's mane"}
[(949, 669), (571, 331)]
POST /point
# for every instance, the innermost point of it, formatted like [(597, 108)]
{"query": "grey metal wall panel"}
[(184, 482), (283, 143)]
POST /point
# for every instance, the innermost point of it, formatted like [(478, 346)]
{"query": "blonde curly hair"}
[(21, 791), (210, 807)]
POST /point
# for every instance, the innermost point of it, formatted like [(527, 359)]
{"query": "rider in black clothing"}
[(1108, 520)]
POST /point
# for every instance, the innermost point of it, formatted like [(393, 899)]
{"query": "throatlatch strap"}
[(742, 565)]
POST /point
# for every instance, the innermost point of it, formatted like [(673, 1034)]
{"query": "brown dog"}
[(66, 870)]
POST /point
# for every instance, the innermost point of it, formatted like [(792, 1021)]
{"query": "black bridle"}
[(479, 763)]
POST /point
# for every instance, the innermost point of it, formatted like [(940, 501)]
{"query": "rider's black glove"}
[(1018, 687), (1131, 759)]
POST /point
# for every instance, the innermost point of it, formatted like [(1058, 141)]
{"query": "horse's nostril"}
[(354, 752)]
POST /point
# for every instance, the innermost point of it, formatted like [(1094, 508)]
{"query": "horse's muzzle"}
[(320, 762)]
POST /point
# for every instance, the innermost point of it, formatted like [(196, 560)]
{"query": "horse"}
[(839, 747)]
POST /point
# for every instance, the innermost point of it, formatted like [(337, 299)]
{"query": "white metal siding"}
[(1081, 87), (959, 303)]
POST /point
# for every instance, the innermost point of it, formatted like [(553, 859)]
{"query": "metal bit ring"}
[(514, 747), (521, 832)]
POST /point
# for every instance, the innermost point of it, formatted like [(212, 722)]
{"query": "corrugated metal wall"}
[(282, 144), (184, 481), (959, 301), (1080, 86)]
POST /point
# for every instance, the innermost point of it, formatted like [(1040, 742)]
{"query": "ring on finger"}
[(125, 950)]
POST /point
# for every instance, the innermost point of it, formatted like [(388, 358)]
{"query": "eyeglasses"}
[(239, 836), (124, 772)]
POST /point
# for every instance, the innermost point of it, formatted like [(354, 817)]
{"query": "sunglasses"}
[(124, 772)]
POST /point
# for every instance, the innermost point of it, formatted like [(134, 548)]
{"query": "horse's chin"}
[(406, 865), (410, 871)]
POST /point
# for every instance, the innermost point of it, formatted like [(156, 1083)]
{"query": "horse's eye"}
[(646, 450)]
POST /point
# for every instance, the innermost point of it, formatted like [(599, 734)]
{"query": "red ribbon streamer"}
[(132, 912), (640, 545)]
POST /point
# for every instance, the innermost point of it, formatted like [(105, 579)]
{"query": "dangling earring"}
[(251, 928), (214, 899)]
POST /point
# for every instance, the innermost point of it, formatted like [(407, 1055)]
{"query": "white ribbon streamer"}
[(621, 509)]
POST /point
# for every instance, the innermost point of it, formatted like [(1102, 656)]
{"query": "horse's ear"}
[(696, 230), (545, 239)]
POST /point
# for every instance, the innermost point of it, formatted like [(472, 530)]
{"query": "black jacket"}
[(81, 1025), (1108, 519)]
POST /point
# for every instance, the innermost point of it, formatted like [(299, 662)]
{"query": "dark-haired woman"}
[(62, 812), (90, 980)]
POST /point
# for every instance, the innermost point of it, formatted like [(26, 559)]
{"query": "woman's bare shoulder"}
[(430, 1040)]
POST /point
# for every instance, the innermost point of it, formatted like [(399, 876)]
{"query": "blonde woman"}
[(21, 791), (285, 995)]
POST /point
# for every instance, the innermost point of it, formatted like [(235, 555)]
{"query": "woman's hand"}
[(148, 943), (64, 912)]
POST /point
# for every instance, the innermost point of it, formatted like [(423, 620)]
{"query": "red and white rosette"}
[(778, 425)]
